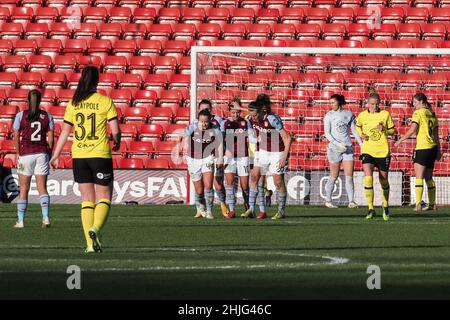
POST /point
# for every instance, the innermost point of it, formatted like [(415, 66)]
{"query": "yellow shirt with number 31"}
[(89, 118)]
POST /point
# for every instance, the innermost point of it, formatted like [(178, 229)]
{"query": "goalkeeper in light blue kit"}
[(337, 123)]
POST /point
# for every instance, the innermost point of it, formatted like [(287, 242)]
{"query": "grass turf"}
[(162, 252)]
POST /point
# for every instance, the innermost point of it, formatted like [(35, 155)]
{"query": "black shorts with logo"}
[(382, 164), (93, 170), (425, 157)]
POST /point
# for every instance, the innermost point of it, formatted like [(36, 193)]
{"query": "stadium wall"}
[(170, 186)]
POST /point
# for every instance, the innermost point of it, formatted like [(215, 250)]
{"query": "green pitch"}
[(162, 252)]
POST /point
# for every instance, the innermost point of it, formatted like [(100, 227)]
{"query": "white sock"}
[(329, 187), (349, 188)]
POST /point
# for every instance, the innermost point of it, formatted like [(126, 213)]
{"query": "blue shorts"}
[(335, 156)]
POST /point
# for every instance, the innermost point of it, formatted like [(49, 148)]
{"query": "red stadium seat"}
[(134, 31), (135, 115), (121, 98), (150, 48), (175, 48), (151, 132), (132, 82), (409, 31), (416, 14), (334, 31), (133, 163), (99, 47), (193, 15), (157, 164), (220, 16), (169, 16), (50, 47), (95, 15), (110, 31), (25, 47), (36, 30), (129, 132), (341, 15), (164, 148), (78, 46), (64, 96), (316, 15), (434, 31), (124, 48), (8, 112), (243, 15), (165, 65), (144, 98), (156, 82), (11, 30), (170, 99), (115, 64), (65, 63), (120, 14), (140, 148), (86, 31), (145, 16), (259, 31), (14, 63), (209, 31), (308, 31), (160, 32), (161, 115), (7, 147), (182, 116), (184, 31), (30, 80), (22, 15), (268, 15)]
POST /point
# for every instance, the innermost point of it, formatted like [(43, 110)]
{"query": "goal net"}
[(300, 82)]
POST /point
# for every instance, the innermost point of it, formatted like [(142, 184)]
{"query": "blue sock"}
[(21, 209), (199, 201), (231, 198), (245, 196), (252, 198), (262, 198), (45, 204), (281, 199), (209, 194), (221, 195)]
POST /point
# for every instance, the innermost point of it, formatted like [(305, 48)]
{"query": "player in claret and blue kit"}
[(33, 140), (203, 143), (271, 155), (237, 132)]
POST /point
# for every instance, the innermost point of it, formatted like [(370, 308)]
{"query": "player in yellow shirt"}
[(374, 126), (425, 125), (88, 113)]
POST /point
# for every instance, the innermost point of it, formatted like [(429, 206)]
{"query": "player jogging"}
[(253, 109), (204, 154), (337, 123), (237, 132), (219, 173), (271, 155), (374, 126), (425, 125), (33, 140), (88, 113)]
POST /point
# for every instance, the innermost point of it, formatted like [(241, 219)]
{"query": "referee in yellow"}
[(88, 113), (425, 125), (374, 126)]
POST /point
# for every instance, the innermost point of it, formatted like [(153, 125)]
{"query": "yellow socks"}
[(385, 186), (431, 186), (419, 190), (368, 187), (101, 213), (87, 219)]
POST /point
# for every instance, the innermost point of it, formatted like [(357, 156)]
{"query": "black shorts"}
[(382, 164), (425, 157), (93, 170)]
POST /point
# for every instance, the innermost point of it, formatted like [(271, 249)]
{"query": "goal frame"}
[(195, 50)]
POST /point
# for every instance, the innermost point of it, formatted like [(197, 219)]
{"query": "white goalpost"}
[(300, 81)]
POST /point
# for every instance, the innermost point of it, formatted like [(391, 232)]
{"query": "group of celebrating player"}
[(218, 150), (249, 148), (216, 146)]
